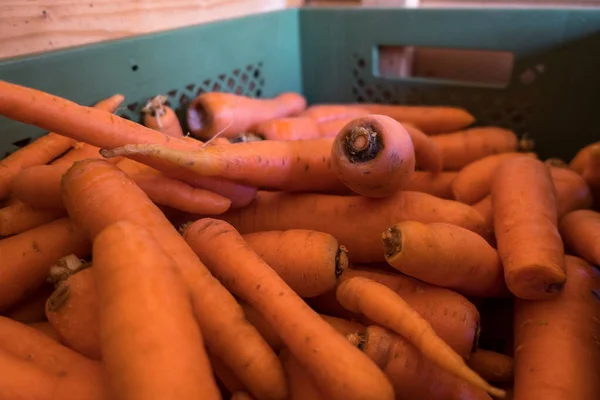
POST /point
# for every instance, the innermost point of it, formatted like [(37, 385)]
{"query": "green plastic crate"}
[(329, 55)]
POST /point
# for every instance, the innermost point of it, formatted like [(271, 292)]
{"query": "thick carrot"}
[(317, 346), (355, 221), (413, 375), (373, 156), (422, 251), (430, 120), (161, 117), (591, 174), (302, 386), (525, 225), (20, 217), (580, 160), (492, 366), (32, 308), (463, 147), (97, 194), (102, 129), (291, 128), (46, 328), (386, 308), (439, 185), (27, 257), (572, 191), (40, 186), (580, 231), (328, 112), (428, 154), (556, 351), (308, 261), (229, 114), (474, 181), (139, 337)]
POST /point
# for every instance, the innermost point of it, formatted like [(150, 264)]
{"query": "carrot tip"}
[(341, 261), (392, 241), (496, 392), (59, 297)]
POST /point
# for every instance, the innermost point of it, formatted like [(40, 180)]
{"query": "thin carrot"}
[(224, 375), (386, 308), (463, 147), (421, 251), (556, 351), (159, 116), (20, 217), (373, 156), (308, 261), (26, 257), (32, 308), (229, 114), (80, 151), (591, 174), (580, 231), (97, 194), (328, 112), (572, 191), (580, 160), (302, 386), (139, 337), (318, 347), (355, 221), (474, 181), (439, 185), (413, 375), (525, 225), (492, 366), (46, 328), (291, 128)]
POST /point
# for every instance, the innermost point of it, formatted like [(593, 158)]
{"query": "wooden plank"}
[(34, 26)]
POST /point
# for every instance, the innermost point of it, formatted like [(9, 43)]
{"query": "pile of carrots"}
[(273, 250)]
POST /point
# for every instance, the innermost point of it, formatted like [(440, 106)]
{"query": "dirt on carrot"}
[(159, 116)]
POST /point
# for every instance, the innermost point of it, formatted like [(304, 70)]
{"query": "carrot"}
[(302, 386), (428, 154), (525, 225), (580, 160), (328, 112), (40, 186), (331, 128), (97, 194), (384, 307), (46, 328), (486, 209), (159, 116), (224, 375), (430, 120), (20, 217), (135, 347), (591, 174), (413, 375), (102, 129), (32, 308), (80, 151), (463, 147), (373, 156), (580, 231), (28, 256), (421, 251), (241, 395), (474, 181), (291, 128), (229, 114), (439, 185), (492, 366), (318, 347), (556, 353), (355, 221), (308, 261)]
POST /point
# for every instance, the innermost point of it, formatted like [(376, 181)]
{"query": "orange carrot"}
[(591, 174), (97, 194), (224, 375), (430, 120), (241, 395), (492, 366), (308, 261), (46, 328), (230, 114), (318, 347), (572, 191), (428, 154), (302, 386), (291, 128), (556, 353), (80, 151), (413, 375), (463, 147), (580, 160), (263, 327), (580, 231), (439, 185), (373, 156), (161, 117), (328, 112), (474, 181), (40, 186), (27, 257), (32, 308), (20, 217), (135, 347), (421, 251), (331, 128), (355, 221), (485, 208), (386, 308), (525, 225)]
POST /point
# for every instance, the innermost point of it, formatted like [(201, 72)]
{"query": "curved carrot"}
[(492, 366), (580, 160), (591, 174), (20, 217), (328, 112), (439, 185), (308, 261), (463, 147), (373, 156), (386, 308), (572, 191), (355, 221), (32, 308), (301, 384), (97, 194), (421, 251), (580, 231), (556, 354), (318, 347), (46, 328), (229, 114), (162, 118), (139, 337), (291, 128)]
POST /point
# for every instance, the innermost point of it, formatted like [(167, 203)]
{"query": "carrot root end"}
[(341, 261), (392, 241), (362, 144)]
